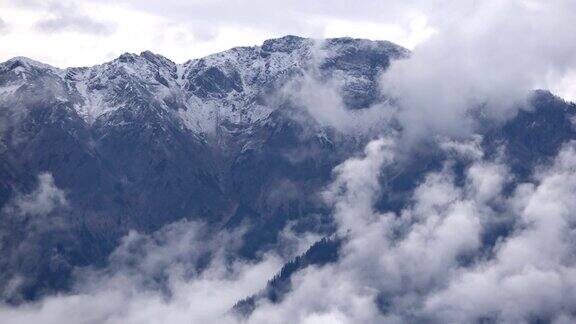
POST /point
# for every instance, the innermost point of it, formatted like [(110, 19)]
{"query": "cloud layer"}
[(483, 60), (155, 278), (430, 262), (433, 261)]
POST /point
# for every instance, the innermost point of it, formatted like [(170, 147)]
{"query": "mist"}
[(483, 60)]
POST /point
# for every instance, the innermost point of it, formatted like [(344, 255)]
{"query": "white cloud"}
[(415, 262), (45, 198), (470, 149), (426, 263), (485, 56), (155, 278), (532, 273), (36, 213), (322, 99)]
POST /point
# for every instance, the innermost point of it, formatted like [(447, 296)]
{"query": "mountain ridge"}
[(233, 82), (137, 143), (149, 53)]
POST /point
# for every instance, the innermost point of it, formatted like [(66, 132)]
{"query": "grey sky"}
[(3, 27), (74, 32), (67, 17)]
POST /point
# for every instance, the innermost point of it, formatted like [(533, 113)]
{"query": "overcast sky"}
[(73, 32)]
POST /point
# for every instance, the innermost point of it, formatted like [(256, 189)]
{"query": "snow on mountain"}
[(231, 87), (140, 142)]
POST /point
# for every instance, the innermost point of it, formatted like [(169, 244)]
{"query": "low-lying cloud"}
[(322, 98), (180, 274), (483, 60), (481, 65), (42, 200), (323, 101), (430, 262), (38, 214)]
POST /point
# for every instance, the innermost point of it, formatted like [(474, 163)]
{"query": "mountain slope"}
[(140, 142), (238, 140)]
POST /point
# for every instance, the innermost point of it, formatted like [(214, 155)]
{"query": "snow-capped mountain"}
[(236, 139), (227, 87), (141, 141)]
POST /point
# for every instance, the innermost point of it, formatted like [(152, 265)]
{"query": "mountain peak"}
[(156, 58), (284, 44), (127, 57), (25, 62)]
